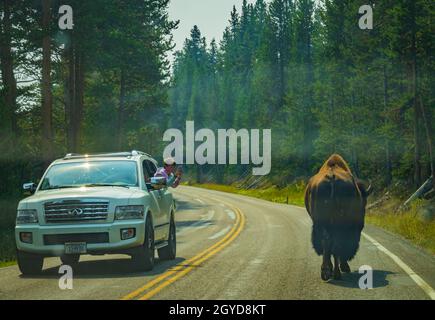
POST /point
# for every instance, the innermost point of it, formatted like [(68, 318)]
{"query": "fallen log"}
[(425, 187), (378, 202)]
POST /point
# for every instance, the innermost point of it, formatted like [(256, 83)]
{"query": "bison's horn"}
[(369, 188)]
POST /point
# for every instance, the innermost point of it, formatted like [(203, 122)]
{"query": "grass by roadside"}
[(8, 210), (294, 193), (406, 224), (8, 263)]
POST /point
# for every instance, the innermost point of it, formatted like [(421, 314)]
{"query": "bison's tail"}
[(346, 242), (316, 238)]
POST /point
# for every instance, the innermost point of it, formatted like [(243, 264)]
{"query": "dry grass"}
[(407, 224), (294, 193)]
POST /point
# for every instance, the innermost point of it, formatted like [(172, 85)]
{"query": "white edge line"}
[(414, 276)]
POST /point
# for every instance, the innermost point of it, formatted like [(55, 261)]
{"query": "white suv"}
[(96, 204)]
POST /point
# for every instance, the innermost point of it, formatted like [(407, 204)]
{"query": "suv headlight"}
[(27, 216), (129, 212)]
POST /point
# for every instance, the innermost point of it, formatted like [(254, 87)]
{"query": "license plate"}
[(75, 247)]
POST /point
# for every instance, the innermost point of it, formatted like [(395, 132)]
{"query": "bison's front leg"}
[(337, 273), (326, 269)]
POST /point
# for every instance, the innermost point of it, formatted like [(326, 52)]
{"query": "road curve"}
[(237, 247)]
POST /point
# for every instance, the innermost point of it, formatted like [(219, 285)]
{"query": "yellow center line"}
[(181, 274), (186, 264)]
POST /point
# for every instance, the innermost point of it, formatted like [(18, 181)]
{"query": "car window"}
[(91, 173), (152, 167), (146, 171)]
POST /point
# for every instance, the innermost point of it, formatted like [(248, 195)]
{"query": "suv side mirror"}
[(158, 183), (29, 188)]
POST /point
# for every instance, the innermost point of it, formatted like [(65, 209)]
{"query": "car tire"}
[(29, 264), (169, 252), (70, 259), (143, 258)]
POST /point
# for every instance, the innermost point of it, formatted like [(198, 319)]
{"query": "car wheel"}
[(169, 252), (144, 256), (70, 259), (29, 263)]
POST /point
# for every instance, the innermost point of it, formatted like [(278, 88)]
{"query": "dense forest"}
[(321, 83), (303, 68), (99, 87)]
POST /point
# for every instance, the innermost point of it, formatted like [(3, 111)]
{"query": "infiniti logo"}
[(76, 212)]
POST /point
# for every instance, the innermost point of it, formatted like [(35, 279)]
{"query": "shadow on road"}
[(109, 268), (188, 205), (351, 280), (193, 224)]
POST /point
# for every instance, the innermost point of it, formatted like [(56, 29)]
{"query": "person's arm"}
[(176, 182), (178, 175), (173, 181)]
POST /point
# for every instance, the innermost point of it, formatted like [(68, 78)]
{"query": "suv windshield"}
[(92, 174)]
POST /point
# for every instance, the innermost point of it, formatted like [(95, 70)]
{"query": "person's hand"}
[(179, 172)]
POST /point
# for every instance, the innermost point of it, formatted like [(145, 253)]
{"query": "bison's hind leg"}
[(344, 266), (326, 270), (316, 238), (337, 273)]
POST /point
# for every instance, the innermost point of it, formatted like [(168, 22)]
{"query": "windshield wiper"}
[(106, 185), (59, 187)]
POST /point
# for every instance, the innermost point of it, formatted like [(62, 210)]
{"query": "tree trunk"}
[(354, 151), (74, 96), (417, 142), (332, 122), (121, 110), (388, 165), (309, 122), (47, 100), (69, 94), (79, 99), (414, 91), (281, 83), (7, 71), (428, 137)]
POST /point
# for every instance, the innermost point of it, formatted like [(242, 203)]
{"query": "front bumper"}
[(113, 245)]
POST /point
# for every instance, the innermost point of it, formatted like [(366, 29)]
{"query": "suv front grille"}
[(52, 239), (75, 210)]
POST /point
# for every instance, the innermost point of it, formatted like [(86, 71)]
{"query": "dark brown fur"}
[(336, 203)]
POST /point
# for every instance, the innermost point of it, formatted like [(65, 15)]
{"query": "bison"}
[(336, 201)]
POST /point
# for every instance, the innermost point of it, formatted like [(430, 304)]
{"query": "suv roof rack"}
[(136, 152), (112, 154)]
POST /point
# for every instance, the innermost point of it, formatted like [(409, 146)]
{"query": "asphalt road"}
[(237, 247)]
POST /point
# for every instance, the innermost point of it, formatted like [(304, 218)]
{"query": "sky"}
[(211, 16)]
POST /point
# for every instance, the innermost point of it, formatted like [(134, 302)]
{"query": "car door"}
[(161, 222), (155, 202), (166, 196)]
